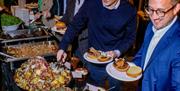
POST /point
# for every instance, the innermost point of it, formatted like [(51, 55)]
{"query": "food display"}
[(121, 65), (27, 50), (37, 74), (134, 71), (25, 33), (97, 55)]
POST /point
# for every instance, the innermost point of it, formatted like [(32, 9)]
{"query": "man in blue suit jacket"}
[(159, 55)]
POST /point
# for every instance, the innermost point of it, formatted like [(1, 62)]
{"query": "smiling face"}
[(162, 5), (109, 2)]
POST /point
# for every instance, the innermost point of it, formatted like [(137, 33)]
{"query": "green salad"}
[(8, 20)]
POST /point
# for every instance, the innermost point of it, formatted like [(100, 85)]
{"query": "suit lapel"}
[(147, 40), (163, 43)]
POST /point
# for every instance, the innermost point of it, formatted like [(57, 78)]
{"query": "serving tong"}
[(60, 64)]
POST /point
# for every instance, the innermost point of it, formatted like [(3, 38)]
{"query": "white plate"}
[(95, 61), (55, 30), (112, 71)]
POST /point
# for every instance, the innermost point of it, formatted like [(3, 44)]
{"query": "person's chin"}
[(158, 27)]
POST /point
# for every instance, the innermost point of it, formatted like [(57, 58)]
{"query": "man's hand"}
[(114, 53), (61, 55), (1, 8)]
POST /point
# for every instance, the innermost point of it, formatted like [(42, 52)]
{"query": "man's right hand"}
[(61, 55), (1, 8)]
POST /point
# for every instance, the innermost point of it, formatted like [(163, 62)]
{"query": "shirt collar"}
[(114, 7), (163, 30), (117, 4)]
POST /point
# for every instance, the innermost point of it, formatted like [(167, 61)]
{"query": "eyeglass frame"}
[(156, 11)]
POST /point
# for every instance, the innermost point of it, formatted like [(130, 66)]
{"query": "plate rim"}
[(118, 78), (96, 61), (55, 30)]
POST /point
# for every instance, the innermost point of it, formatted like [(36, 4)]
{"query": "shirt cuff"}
[(117, 52)]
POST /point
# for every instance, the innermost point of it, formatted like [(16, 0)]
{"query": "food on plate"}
[(103, 58), (134, 71), (93, 53), (121, 65), (61, 26), (37, 74)]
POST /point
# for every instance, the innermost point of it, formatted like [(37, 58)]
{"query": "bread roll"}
[(121, 65), (60, 26), (93, 54), (103, 58), (134, 71)]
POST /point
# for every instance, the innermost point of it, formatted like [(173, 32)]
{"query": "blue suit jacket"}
[(162, 72)]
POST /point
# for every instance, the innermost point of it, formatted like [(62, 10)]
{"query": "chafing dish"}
[(26, 50)]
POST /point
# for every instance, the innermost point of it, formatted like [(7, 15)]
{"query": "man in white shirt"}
[(159, 55)]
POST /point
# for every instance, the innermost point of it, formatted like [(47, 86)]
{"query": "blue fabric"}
[(98, 76), (57, 8), (107, 29), (163, 69)]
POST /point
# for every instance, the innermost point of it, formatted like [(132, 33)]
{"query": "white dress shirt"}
[(78, 6), (114, 7), (158, 34), (65, 6)]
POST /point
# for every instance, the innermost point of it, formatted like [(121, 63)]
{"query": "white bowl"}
[(10, 28)]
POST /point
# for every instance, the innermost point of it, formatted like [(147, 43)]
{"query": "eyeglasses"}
[(159, 12)]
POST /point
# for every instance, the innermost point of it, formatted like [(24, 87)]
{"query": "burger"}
[(61, 26), (134, 71), (121, 65), (103, 58), (93, 53)]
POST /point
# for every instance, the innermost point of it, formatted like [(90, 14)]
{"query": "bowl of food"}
[(10, 23)]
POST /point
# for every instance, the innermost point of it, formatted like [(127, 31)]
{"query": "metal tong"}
[(60, 63)]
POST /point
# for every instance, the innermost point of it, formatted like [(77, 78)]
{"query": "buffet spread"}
[(37, 74)]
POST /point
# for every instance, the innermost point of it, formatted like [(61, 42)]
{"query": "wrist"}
[(117, 53)]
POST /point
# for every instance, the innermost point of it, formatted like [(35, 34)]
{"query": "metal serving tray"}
[(26, 50)]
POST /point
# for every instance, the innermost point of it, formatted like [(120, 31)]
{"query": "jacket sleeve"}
[(138, 57), (175, 74), (78, 23)]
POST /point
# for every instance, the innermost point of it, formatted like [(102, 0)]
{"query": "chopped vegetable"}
[(8, 20)]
